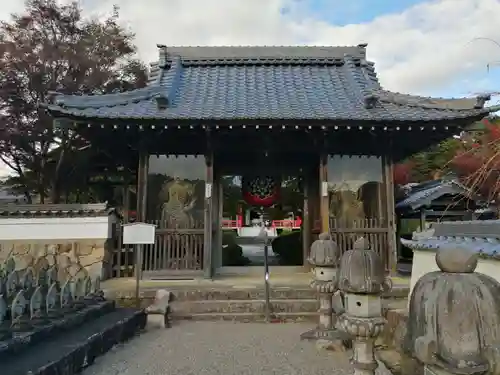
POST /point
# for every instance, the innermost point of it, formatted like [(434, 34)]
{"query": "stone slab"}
[(70, 353)]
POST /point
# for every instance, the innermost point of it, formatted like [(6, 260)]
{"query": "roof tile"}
[(287, 83)]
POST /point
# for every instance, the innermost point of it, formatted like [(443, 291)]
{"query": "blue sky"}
[(342, 13), (419, 46), (355, 12)]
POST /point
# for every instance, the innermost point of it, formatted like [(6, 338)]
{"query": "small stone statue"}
[(18, 311), (37, 304), (454, 316), (5, 331), (42, 278), (28, 282), (9, 265), (52, 275), (66, 297), (87, 286), (52, 302), (97, 292), (11, 286), (3, 309)]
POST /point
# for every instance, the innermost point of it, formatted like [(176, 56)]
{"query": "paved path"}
[(222, 348)]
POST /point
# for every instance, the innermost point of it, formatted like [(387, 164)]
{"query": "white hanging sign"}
[(138, 233), (324, 189), (208, 190)]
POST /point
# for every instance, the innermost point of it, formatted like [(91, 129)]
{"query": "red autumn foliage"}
[(478, 163), (402, 173)]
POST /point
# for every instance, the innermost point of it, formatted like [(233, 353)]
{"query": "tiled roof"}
[(55, 210), (481, 236), (423, 197), (265, 83)]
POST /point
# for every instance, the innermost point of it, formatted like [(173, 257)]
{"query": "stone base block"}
[(159, 311), (333, 336), (158, 321), (332, 345), (24, 341)]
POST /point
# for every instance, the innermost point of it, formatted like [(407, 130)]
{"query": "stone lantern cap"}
[(362, 271), (324, 252)]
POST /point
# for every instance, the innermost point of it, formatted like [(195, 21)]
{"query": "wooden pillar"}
[(207, 236), (219, 214), (323, 190), (391, 224), (422, 219), (306, 224), (216, 226), (126, 202), (142, 182)]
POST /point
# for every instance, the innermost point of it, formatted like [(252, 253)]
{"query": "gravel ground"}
[(220, 348)]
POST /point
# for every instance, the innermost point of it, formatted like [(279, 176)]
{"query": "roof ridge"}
[(269, 46), (457, 104), (106, 100), (363, 81), (260, 53)]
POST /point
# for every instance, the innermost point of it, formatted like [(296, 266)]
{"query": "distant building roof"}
[(421, 195), (265, 83), (480, 236), (7, 195)]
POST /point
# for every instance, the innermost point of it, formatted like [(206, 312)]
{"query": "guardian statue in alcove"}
[(179, 201)]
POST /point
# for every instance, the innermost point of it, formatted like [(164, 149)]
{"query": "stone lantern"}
[(454, 316), (324, 257), (361, 278)]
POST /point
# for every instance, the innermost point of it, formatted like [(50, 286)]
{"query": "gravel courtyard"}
[(220, 348)]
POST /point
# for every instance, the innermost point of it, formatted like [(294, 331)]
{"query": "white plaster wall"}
[(424, 262), (55, 229)]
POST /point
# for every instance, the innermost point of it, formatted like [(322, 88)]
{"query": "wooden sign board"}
[(138, 233)]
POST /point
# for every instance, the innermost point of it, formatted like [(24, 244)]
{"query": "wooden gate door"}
[(180, 205)]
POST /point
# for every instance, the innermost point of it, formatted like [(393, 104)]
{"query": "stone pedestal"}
[(361, 277), (362, 321), (325, 331), (324, 258)]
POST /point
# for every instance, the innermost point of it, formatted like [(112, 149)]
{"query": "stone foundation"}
[(389, 346)]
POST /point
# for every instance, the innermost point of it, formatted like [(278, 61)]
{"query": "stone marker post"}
[(361, 277), (324, 258), (454, 315)]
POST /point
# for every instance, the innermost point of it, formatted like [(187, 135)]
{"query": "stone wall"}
[(94, 256)]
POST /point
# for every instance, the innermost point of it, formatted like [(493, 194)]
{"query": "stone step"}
[(257, 293), (242, 294), (244, 306), (280, 317)]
